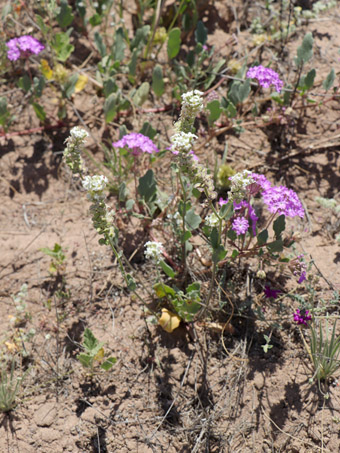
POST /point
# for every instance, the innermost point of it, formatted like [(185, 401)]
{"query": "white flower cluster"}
[(95, 186), (153, 250), (212, 220), (239, 183), (192, 104), (182, 142), (78, 134), (74, 143)]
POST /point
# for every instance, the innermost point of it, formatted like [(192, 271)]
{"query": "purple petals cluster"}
[(244, 207), (23, 46), (299, 268), (138, 143), (265, 77), (281, 200), (269, 292), (240, 225), (302, 316)]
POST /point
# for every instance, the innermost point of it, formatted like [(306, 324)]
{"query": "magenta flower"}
[(301, 317), (261, 183), (243, 205), (281, 200), (298, 267), (269, 292), (221, 201), (240, 225), (265, 77), (138, 143), (23, 47)]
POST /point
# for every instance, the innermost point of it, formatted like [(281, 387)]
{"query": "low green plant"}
[(9, 388), (94, 354), (324, 351)]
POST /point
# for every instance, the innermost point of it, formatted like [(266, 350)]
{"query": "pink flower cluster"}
[(281, 200), (23, 46), (265, 77), (138, 143), (302, 316)]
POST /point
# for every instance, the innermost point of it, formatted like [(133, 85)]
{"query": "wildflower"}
[(298, 267), (269, 292), (302, 316), (192, 104), (153, 250), (240, 225), (212, 220), (243, 206), (74, 144), (182, 142), (95, 186), (261, 183), (265, 77), (221, 201), (23, 46), (281, 200), (138, 143), (239, 184)]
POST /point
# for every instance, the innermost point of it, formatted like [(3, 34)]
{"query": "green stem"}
[(184, 261)]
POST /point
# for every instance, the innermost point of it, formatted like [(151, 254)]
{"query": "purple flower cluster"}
[(269, 292), (302, 316), (281, 200), (265, 77), (299, 267), (240, 225), (23, 46), (244, 207), (138, 143)]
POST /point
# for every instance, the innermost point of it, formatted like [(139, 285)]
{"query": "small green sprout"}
[(94, 353)]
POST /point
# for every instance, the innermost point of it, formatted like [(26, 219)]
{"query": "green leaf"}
[(215, 111), (201, 33), (192, 220), (219, 254), (305, 51), (95, 20), (85, 359), (108, 364), (148, 130), (70, 85), (244, 90), (61, 45), (100, 44), (109, 87), (118, 48), (141, 95), (65, 16), (328, 83), (90, 341), (163, 290), (157, 80), (39, 85), (140, 38), (131, 284), (262, 237), (279, 226), (133, 65), (41, 24), (214, 238), (39, 111), (309, 80), (167, 269), (174, 42), (24, 83), (129, 204), (276, 246), (110, 107), (147, 187), (185, 236), (4, 112)]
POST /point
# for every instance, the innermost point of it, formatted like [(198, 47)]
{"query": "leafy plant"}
[(58, 257), (94, 353)]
